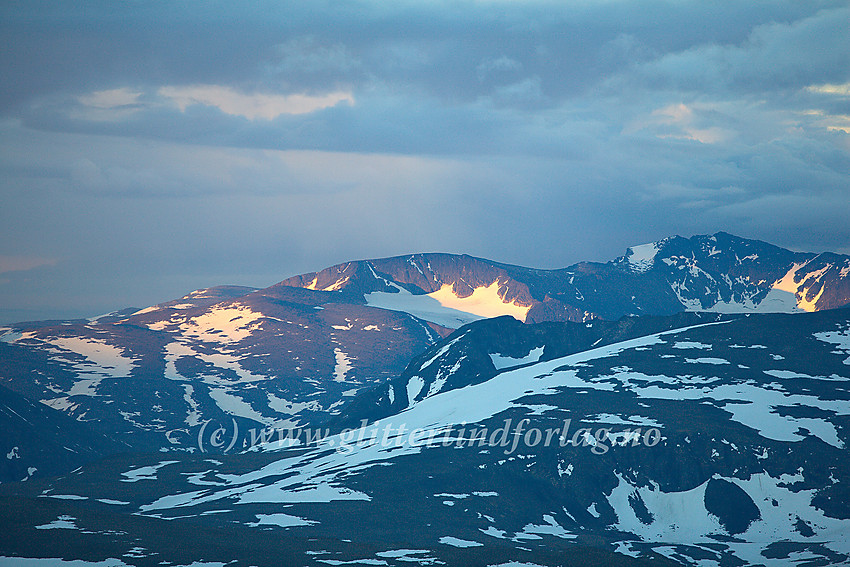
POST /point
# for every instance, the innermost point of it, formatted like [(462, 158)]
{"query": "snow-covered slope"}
[(727, 274), (720, 443), (239, 357)]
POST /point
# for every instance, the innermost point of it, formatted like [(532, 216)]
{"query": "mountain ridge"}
[(662, 279), (298, 352)]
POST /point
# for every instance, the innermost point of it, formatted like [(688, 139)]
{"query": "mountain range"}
[(299, 351), (717, 368)]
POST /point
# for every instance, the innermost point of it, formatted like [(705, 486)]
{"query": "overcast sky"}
[(151, 148)]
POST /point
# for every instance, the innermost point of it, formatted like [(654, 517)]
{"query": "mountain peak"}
[(720, 272)]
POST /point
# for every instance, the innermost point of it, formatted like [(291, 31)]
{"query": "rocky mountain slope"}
[(298, 352), (40, 441), (720, 273), (697, 439)]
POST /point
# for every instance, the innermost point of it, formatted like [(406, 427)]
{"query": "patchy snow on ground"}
[(280, 520), (144, 473), (342, 366), (100, 360), (223, 324), (314, 476), (61, 523), (457, 542), (641, 258), (233, 404), (444, 307), (841, 340), (550, 527), (54, 562), (501, 362)]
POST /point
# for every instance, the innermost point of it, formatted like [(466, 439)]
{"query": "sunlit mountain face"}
[(685, 403)]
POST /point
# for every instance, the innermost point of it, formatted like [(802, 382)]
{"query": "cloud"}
[(775, 57), (112, 98), (309, 54), (497, 65), (830, 96), (23, 263), (109, 105), (841, 90), (832, 122), (200, 144), (679, 121), (251, 106)]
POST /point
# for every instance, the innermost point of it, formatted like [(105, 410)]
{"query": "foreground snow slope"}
[(723, 442)]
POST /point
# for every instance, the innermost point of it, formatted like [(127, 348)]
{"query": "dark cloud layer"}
[(148, 149)]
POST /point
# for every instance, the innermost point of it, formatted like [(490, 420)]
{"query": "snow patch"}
[(62, 404), (789, 286), (551, 527), (66, 496), (144, 473), (223, 324), (193, 418), (610, 419), (281, 520), (684, 345), (101, 360), (55, 562), (219, 359), (9, 336), (675, 516), (409, 556), (446, 309), (484, 302), (841, 339), (789, 375), (282, 405), (234, 405), (642, 258), (343, 365), (501, 362), (681, 517), (706, 360), (414, 386), (457, 542), (64, 522)]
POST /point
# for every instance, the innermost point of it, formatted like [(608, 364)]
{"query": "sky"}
[(148, 149)]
